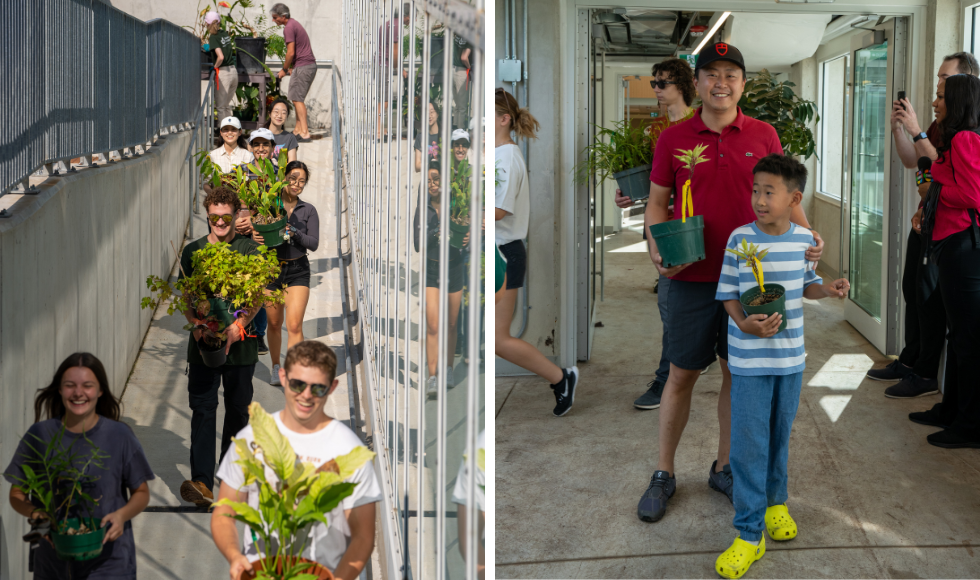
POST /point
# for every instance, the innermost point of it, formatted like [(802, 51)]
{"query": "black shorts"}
[(701, 323), (292, 273), (516, 256), (457, 275)]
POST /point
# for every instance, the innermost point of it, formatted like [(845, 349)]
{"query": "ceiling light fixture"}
[(712, 32)]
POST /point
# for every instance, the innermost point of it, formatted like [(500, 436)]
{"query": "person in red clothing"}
[(955, 247), (917, 366), (722, 194)]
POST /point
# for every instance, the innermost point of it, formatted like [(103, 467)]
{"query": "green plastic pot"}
[(274, 234), (82, 547), (634, 183), (680, 242), (457, 233), (776, 306)]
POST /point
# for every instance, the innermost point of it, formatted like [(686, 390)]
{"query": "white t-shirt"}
[(229, 161), (462, 480), (511, 194), (326, 545)]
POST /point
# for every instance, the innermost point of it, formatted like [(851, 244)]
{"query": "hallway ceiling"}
[(641, 32)]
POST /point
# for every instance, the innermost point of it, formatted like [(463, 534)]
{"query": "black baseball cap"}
[(719, 51)]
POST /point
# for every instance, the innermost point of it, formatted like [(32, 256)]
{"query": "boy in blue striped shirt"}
[(766, 363)]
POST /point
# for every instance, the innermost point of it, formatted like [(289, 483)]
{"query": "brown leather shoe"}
[(196, 493)]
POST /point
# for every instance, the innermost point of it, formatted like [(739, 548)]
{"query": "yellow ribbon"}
[(687, 206)]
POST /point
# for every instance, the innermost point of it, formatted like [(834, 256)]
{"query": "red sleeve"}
[(963, 190), (663, 160), (288, 34)]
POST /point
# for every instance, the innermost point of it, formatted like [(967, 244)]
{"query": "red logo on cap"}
[(721, 48)]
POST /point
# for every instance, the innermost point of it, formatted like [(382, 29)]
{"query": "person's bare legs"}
[(455, 299), (675, 408), (724, 416), (297, 297), (432, 328), (301, 129), (517, 351), (274, 332)]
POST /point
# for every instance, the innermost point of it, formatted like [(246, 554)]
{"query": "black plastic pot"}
[(635, 183), (212, 358), (457, 233), (254, 47), (776, 306)]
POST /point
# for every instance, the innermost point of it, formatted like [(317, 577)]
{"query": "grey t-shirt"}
[(126, 469), (285, 140)]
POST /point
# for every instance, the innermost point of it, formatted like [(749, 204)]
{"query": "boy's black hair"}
[(786, 166)]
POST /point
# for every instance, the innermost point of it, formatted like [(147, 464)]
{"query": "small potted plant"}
[(682, 241), (54, 478), (459, 212), (757, 300), (223, 285), (293, 496), (622, 152)]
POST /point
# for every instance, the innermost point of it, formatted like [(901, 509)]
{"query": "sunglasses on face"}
[(297, 386), (214, 218), (661, 84)]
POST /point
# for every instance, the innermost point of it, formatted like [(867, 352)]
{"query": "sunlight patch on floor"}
[(842, 372)]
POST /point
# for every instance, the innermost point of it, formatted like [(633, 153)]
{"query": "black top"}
[(305, 234), (220, 39), (433, 144), (459, 45), (432, 236)]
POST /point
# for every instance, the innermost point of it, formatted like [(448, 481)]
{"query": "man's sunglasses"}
[(215, 218), (297, 386), (661, 84)]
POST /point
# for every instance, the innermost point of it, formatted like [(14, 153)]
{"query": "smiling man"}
[(722, 193), (346, 544)]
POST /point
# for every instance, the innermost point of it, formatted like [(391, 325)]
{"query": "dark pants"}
[(202, 390), (925, 317), (261, 322), (959, 281), (662, 289)]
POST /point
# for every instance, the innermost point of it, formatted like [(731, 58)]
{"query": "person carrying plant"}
[(346, 544), (512, 214), (674, 86), (428, 146), (230, 155), (455, 279), (283, 139), (82, 443), (720, 191), (241, 348), (300, 65), (766, 363), (223, 53), (303, 224)]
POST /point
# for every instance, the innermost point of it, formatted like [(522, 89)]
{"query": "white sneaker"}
[(275, 376), (432, 387)]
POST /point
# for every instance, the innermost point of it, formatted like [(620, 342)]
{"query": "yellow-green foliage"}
[(753, 257), (690, 158)]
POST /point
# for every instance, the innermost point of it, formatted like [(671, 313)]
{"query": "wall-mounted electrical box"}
[(509, 70)]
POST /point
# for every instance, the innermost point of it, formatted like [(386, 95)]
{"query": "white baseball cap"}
[(461, 135), (262, 133), (233, 121)]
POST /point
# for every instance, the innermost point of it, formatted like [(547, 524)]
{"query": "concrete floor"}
[(870, 496)]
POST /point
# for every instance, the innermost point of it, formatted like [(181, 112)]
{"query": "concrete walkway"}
[(176, 544), (871, 497)]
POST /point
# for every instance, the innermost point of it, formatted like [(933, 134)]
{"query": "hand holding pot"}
[(243, 225), (623, 201), (116, 525), (238, 565), (234, 335), (257, 237), (668, 272), (761, 325)]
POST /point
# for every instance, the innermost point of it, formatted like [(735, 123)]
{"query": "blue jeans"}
[(763, 409), (261, 322), (664, 369)]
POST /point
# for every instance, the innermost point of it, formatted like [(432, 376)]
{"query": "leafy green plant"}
[(621, 147), (261, 188), (776, 103), (753, 257), (459, 185), (55, 475), (292, 494), (690, 158)]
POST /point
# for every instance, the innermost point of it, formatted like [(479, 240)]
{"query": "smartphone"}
[(901, 96)]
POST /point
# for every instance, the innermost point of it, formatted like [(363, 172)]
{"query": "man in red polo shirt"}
[(721, 193)]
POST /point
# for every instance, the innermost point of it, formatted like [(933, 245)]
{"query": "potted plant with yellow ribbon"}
[(758, 300), (682, 241)]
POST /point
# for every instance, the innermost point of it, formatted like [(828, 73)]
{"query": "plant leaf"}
[(276, 450)]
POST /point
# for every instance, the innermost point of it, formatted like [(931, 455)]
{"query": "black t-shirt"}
[(126, 469), (433, 144), (459, 45), (220, 39), (243, 352), (432, 236)]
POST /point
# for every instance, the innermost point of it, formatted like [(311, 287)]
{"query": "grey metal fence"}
[(86, 78), (410, 97)]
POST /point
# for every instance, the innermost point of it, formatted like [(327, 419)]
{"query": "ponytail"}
[(522, 122)]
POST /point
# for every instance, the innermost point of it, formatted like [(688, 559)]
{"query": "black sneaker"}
[(263, 349), (895, 371), (565, 391), (912, 386), (721, 481), (950, 440), (651, 398), (653, 504), (930, 418)]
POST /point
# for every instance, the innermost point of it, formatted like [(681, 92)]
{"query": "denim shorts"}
[(292, 273), (701, 324)]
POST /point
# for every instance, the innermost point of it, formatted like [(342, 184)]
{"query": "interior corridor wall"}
[(73, 266)]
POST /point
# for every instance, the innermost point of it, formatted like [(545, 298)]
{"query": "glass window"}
[(833, 112)]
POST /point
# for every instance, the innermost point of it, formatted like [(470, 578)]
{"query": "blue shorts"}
[(698, 323)]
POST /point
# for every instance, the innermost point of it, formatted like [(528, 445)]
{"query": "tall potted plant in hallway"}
[(682, 241), (622, 152)]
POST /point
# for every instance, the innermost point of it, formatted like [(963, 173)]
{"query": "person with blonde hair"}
[(513, 209)]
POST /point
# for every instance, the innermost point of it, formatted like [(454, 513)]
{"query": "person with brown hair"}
[(79, 399), (241, 347), (512, 213), (344, 546)]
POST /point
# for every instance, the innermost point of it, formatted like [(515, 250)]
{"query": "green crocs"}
[(735, 561), (780, 524)]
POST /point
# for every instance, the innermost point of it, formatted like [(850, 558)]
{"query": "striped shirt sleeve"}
[(728, 282)]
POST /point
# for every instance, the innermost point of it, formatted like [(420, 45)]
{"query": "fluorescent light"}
[(711, 32)]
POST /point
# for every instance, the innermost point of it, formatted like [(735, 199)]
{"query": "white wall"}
[(73, 265)]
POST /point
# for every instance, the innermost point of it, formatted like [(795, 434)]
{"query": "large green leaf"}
[(353, 461), (276, 450)]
